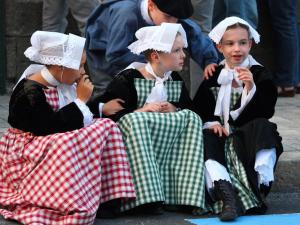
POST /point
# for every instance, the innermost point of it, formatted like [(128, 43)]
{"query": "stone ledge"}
[(287, 176)]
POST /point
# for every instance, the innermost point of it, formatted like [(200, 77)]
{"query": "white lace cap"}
[(159, 38), (52, 48), (218, 31)]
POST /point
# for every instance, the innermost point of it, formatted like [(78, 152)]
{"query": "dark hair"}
[(241, 25), (148, 53)]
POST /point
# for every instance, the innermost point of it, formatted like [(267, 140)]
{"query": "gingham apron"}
[(62, 178), (165, 152)]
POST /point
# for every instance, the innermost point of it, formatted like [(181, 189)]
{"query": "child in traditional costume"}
[(241, 145), (162, 135), (57, 163)]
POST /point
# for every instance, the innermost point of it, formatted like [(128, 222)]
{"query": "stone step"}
[(287, 176)]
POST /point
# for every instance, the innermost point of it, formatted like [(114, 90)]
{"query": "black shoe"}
[(286, 91), (224, 191), (110, 209), (297, 89)]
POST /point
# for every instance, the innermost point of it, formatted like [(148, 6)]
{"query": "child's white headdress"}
[(218, 31), (159, 38), (52, 48)]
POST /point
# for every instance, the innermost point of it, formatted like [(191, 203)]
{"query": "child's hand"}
[(150, 107), (218, 129), (246, 76), (209, 70), (84, 88), (112, 107), (167, 107)]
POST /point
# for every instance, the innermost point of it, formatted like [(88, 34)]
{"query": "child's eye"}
[(177, 50), (228, 43)]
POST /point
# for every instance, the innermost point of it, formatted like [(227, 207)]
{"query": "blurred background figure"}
[(283, 16), (246, 10), (297, 76), (203, 14), (55, 13)]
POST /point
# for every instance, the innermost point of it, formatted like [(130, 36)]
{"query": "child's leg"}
[(218, 181)]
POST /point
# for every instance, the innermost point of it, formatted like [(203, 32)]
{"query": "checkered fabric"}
[(144, 87), (52, 98), (62, 178), (165, 152), (236, 169)]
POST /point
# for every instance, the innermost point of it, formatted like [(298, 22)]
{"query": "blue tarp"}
[(276, 219)]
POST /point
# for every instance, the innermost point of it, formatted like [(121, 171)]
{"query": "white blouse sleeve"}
[(87, 115), (209, 124), (246, 97)]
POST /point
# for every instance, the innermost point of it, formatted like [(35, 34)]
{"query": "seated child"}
[(236, 103), (57, 164), (163, 137)]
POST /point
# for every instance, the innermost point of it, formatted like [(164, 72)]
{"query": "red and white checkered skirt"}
[(62, 178)]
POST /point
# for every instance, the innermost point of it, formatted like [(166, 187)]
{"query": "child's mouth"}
[(237, 57)]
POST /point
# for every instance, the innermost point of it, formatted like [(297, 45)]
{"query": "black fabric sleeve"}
[(262, 105), (204, 101), (29, 111), (122, 86)]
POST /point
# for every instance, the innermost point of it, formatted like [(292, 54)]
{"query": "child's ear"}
[(151, 5), (219, 47), (250, 43), (153, 56)]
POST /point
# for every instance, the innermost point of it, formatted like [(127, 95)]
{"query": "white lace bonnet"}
[(218, 31), (52, 48), (160, 38)]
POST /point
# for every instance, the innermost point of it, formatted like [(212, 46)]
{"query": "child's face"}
[(70, 76), (235, 46), (158, 16), (174, 61)]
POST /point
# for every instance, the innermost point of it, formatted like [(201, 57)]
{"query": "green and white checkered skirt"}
[(165, 151), (236, 169)]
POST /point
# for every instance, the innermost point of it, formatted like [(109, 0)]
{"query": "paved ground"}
[(285, 196)]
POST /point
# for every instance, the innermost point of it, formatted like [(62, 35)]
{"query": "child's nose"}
[(236, 46), (183, 54)]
